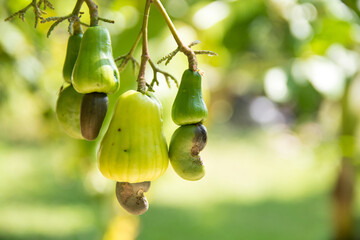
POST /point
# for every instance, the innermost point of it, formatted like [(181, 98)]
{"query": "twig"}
[(205, 52), (74, 16), (182, 47), (167, 76), (46, 3), (106, 20), (170, 56), (129, 56), (37, 11), (125, 60), (93, 10)]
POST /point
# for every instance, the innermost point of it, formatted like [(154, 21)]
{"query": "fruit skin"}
[(134, 148), (185, 146), (68, 111), (93, 111), (95, 69), (72, 51), (189, 106)]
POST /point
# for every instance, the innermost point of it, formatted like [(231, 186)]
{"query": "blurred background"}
[(282, 156)]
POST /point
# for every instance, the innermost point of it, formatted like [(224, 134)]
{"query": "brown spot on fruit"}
[(199, 140)]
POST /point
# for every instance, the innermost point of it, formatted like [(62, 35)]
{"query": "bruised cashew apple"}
[(185, 146), (134, 148)]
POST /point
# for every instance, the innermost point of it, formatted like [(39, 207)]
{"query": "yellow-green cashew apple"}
[(134, 148)]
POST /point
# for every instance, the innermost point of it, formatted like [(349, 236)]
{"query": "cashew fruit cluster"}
[(133, 152), (189, 111), (90, 70)]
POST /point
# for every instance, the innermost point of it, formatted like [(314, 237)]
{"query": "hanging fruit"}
[(95, 69), (133, 151), (134, 148), (72, 52), (189, 111), (189, 106), (131, 196), (95, 74), (185, 146), (68, 107)]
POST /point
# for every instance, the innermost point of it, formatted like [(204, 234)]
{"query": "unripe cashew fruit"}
[(68, 107), (95, 69), (185, 146), (189, 106), (72, 52)]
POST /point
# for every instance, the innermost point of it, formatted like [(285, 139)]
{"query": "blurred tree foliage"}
[(251, 38)]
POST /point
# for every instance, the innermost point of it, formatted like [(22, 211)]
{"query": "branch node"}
[(172, 54), (36, 8), (167, 76)]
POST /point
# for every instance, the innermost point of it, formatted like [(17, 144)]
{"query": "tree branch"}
[(130, 55), (182, 47), (72, 17), (145, 53), (167, 76), (170, 56), (93, 10), (37, 11)]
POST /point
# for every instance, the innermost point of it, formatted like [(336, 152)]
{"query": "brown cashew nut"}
[(131, 196), (93, 111)]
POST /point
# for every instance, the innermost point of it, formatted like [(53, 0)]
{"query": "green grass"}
[(252, 190), (307, 219)]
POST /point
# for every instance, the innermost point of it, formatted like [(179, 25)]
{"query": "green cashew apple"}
[(95, 69), (72, 51), (189, 106), (134, 148), (185, 146), (93, 111), (68, 111)]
